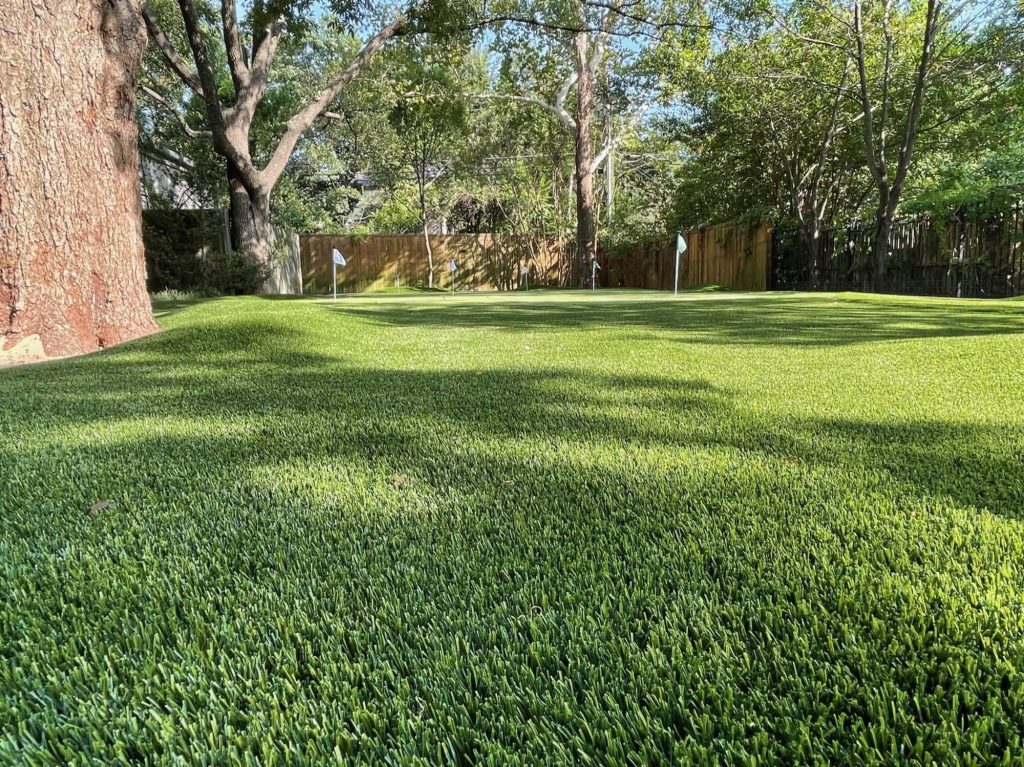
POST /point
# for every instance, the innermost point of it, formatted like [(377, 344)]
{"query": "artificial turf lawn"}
[(559, 528)]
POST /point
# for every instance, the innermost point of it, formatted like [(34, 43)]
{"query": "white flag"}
[(680, 244), (338, 258)]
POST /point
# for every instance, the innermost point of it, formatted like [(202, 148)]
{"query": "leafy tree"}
[(248, 47), (429, 118)]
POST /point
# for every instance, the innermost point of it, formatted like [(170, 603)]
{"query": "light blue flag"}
[(338, 258), (680, 244)]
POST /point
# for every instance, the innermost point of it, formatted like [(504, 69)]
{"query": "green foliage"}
[(735, 104), (399, 214), (177, 244), (551, 528), (760, 106), (238, 274)]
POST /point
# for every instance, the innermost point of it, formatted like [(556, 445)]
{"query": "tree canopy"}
[(467, 116)]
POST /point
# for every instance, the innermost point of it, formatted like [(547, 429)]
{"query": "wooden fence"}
[(485, 261), (733, 255), (970, 254)]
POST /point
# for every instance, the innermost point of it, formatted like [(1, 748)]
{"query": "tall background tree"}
[(820, 113), (566, 62)]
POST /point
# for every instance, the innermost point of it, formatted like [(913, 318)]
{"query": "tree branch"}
[(883, 120), (174, 59), (804, 38), (877, 173), (302, 119), (169, 107), (917, 101), (603, 35), (259, 71), (556, 26), (233, 45), (632, 120), (564, 118), (201, 57)]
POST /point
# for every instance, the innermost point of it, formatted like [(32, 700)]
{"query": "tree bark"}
[(880, 246), (72, 269), (251, 230), (586, 238)]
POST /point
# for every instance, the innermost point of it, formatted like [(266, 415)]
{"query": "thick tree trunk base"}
[(252, 232), (72, 271)]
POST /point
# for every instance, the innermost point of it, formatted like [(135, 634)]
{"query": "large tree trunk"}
[(72, 270), (430, 256), (422, 180), (586, 237), (880, 249), (251, 230)]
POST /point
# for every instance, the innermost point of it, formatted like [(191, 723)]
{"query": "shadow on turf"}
[(251, 370), (221, 491), (775, 319)]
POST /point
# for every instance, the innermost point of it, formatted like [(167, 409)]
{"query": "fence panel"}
[(968, 254), (733, 255), (485, 261)]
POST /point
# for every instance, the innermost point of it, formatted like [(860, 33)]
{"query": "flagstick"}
[(675, 285), (334, 277), (680, 249)]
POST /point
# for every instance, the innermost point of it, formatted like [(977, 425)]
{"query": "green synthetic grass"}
[(562, 528)]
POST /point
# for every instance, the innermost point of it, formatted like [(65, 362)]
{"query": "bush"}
[(179, 245), (237, 273)]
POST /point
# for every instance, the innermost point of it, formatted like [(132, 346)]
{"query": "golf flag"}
[(680, 249), (336, 260)]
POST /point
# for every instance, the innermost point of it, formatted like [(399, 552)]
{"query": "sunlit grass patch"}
[(564, 527)]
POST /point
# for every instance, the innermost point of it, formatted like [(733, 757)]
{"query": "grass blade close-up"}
[(555, 528)]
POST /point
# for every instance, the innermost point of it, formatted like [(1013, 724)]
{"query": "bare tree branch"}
[(631, 121), (564, 118), (233, 45), (780, 22), (201, 57), (917, 100), (877, 172), (563, 93), (259, 71)]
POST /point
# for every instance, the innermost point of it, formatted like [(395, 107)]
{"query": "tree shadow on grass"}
[(255, 371), (539, 550), (764, 320)]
